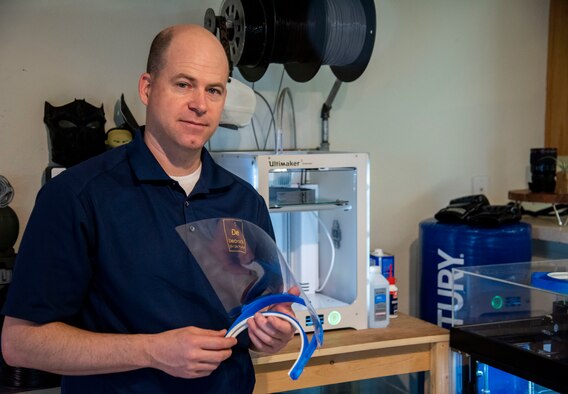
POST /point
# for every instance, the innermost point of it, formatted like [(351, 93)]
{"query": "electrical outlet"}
[(479, 184)]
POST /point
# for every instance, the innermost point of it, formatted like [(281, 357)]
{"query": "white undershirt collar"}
[(188, 182)]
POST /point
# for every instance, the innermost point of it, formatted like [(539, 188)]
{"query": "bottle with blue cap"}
[(378, 298)]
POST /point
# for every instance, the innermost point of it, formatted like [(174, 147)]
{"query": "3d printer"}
[(319, 205)]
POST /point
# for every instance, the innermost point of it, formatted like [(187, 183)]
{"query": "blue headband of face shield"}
[(249, 274)]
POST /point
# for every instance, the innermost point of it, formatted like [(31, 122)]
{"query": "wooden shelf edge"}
[(525, 195)]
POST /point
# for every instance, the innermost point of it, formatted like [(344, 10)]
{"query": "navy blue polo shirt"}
[(101, 252)]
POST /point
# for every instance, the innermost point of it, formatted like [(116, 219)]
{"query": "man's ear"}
[(144, 86)]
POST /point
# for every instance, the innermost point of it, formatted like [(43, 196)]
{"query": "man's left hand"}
[(269, 334)]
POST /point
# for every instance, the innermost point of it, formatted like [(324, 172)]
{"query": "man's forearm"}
[(63, 349)]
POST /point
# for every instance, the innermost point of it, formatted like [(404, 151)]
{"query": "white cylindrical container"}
[(378, 302)]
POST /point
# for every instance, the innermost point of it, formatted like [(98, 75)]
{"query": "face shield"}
[(249, 274)]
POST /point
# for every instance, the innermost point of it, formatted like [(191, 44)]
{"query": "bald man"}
[(104, 291)]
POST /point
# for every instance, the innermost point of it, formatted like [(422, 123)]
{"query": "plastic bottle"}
[(393, 297), (378, 304)]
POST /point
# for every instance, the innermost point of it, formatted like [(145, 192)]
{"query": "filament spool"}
[(351, 71), (301, 34)]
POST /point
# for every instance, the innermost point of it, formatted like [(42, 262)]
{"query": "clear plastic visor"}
[(243, 264)]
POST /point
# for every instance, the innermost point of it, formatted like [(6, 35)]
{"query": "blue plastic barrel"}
[(445, 246)]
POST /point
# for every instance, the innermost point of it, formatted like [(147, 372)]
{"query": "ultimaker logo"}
[(278, 163), (446, 281)]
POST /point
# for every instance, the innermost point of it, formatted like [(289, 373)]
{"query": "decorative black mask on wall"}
[(76, 131)]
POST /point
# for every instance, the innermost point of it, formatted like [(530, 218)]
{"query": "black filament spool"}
[(259, 38), (299, 41), (248, 29), (293, 33)]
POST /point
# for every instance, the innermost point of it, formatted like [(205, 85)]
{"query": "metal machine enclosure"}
[(319, 206)]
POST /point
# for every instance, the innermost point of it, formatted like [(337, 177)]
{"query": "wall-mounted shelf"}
[(525, 195)]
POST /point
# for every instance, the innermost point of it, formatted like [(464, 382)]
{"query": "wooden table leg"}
[(440, 368)]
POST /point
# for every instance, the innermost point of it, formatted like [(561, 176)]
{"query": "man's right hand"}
[(56, 347), (189, 352)]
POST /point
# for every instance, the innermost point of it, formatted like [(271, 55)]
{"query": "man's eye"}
[(183, 85), (215, 91)]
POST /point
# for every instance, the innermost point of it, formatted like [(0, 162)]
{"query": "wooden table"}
[(407, 345)]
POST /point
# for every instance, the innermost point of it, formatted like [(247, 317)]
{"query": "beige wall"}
[(454, 89)]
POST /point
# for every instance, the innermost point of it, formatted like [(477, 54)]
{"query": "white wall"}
[(454, 89)]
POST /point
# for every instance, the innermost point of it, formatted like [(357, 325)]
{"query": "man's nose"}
[(198, 103)]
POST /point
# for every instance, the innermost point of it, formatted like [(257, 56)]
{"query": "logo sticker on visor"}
[(234, 235)]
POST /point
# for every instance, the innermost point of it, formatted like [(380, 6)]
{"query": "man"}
[(104, 291)]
